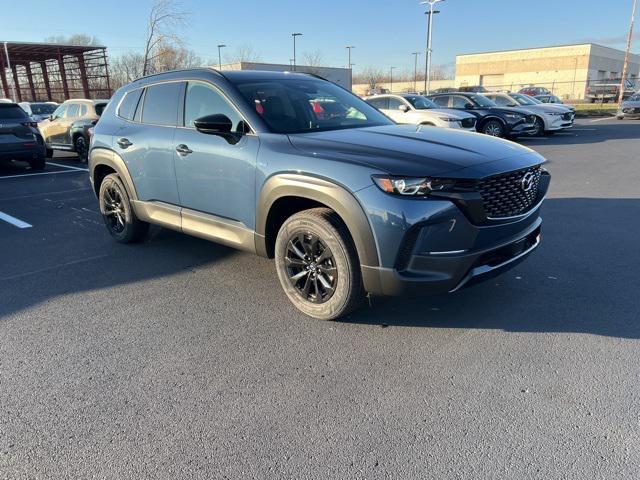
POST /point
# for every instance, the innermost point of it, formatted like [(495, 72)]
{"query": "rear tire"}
[(49, 152), (38, 164), (318, 265), (117, 212), (82, 148)]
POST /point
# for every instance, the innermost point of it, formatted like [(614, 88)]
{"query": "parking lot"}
[(182, 358)]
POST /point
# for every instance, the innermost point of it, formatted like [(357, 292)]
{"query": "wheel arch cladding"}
[(322, 192), (102, 160)]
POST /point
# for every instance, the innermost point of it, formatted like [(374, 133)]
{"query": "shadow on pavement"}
[(587, 133), (583, 278)]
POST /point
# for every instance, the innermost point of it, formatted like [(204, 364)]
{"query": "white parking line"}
[(600, 119), (16, 222), (68, 166)]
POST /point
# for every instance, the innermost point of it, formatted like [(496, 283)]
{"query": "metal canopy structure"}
[(53, 72)]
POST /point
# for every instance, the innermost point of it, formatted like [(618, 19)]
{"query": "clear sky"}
[(385, 32)]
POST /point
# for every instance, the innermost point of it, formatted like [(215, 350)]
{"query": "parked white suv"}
[(418, 110), (549, 117)]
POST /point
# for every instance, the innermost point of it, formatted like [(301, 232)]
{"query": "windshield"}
[(483, 101), (525, 99), (304, 105), (43, 108), (420, 103), (11, 111)]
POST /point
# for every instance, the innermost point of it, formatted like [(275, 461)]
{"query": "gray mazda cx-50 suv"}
[(292, 167)]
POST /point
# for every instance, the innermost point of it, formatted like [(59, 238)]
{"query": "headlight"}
[(556, 114), (514, 116), (411, 186), (451, 120)]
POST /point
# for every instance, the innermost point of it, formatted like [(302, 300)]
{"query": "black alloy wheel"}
[(118, 214), (82, 149), (114, 211), (311, 267)]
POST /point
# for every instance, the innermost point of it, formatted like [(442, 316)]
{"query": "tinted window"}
[(203, 100), (11, 112), (72, 110), (128, 106), (294, 105), (161, 104), (60, 111), (380, 103), (460, 102), (501, 101), (442, 101), (394, 103), (99, 108), (421, 103), (43, 108)]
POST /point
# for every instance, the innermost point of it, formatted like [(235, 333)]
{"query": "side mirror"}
[(468, 106), (217, 124), (403, 108)]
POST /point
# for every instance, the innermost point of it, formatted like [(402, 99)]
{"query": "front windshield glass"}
[(525, 99), (305, 105), (483, 101), (43, 108), (420, 103)]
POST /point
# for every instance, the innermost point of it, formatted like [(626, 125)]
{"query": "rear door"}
[(145, 142), (14, 134), (52, 130)]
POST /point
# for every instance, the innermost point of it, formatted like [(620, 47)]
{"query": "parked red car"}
[(533, 91)]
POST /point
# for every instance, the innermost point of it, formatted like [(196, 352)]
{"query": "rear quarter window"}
[(128, 105)]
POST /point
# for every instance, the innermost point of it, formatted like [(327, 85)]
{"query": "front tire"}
[(539, 131), (82, 148), (493, 128), (317, 264), (117, 212)]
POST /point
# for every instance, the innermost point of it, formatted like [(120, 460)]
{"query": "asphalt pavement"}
[(179, 358)]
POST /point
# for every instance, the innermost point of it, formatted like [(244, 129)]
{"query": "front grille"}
[(468, 122), (509, 194)]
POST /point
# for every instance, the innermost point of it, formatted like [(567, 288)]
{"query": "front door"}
[(214, 176), (53, 129)]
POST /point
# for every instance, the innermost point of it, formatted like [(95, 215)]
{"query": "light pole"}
[(391, 81), (294, 35), (220, 47), (415, 71), (625, 67), (431, 13), (349, 47)]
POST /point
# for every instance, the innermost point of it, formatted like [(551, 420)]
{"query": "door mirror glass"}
[(403, 108)]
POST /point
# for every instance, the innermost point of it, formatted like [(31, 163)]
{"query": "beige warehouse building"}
[(567, 70)]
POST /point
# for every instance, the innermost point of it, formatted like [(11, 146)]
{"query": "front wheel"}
[(117, 212), (539, 127), (82, 148), (317, 264), (493, 128)]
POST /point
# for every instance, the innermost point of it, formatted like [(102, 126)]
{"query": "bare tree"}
[(243, 53), (165, 15), (126, 68), (371, 76), (173, 57), (313, 59)]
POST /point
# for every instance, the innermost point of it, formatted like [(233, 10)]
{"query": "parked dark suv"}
[(19, 137), (346, 203), (492, 119)]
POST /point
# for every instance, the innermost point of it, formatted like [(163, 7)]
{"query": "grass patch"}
[(596, 109)]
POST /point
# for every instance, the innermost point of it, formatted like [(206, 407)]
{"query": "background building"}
[(341, 76), (566, 69)]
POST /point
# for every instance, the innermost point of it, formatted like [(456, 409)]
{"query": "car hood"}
[(507, 110), (418, 151)]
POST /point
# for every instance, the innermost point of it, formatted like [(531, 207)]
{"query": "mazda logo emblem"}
[(527, 181)]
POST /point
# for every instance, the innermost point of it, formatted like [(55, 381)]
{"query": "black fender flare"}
[(321, 190), (103, 156)]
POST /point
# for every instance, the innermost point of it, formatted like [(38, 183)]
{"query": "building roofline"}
[(543, 48)]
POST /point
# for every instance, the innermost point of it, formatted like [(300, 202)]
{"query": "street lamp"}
[(431, 13), (220, 47), (349, 47), (391, 81), (294, 35), (415, 71)]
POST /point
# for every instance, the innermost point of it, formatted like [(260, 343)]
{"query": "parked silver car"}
[(630, 108)]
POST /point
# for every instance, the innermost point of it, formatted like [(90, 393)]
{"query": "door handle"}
[(124, 143), (183, 150)]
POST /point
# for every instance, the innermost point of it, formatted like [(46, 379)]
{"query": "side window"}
[(129, 104), (72, 110), (460, 102), (161, 104), (379, 103), (394, 103), (59, 112), (442, 101), (500, 100), (202, 100), (83, 110)]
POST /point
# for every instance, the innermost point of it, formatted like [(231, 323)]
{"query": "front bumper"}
[(520, 129)]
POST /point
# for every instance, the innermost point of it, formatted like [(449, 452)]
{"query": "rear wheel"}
[(117, 212), (49, 152), (317, 264), (82, 148), (493, 128), (38, 163)]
